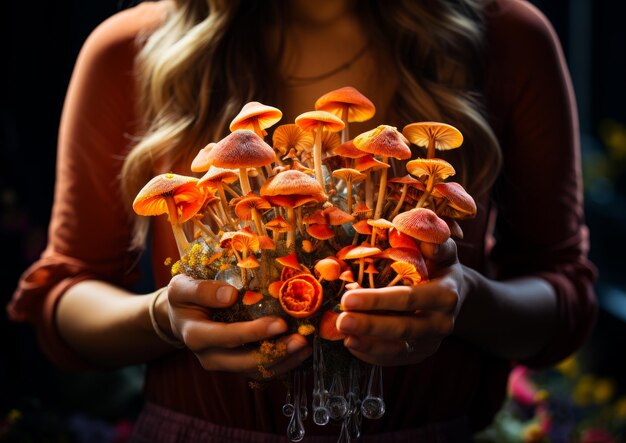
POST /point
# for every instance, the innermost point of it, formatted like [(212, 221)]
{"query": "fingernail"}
[(276, 327), (225, 294), (294, 346), (351, 301), (346, 323)]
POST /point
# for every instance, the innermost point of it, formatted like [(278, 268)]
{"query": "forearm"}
[(110, 326), (512, 319)]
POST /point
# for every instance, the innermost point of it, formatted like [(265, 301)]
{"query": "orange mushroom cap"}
[(347, 149), (336, 216), (247, 203), (457, 198), (214, 175), (201, 163), (241, 149), (360, 108), (445, 136), (310, 121), (384, 140), (264, 115), (150, 200), (320, 231), (291, 136), (293, 185), (327, 268), (422, 224), (436, 167)]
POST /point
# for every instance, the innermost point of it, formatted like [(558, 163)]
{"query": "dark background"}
[(42, 40)]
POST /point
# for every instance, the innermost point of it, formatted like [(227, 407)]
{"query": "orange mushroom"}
[(200, 163), (316, 122), (242, 149), (435, 169), (256, 117), (216, 178), (406, 181), (172, 194), (385, 141), (348, 104), (461, 203), (246, 206), (423, 225), (291, 189), (433, 135), (360, 253), (291, 136), (349, 176)]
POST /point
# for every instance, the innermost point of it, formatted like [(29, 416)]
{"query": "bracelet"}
[(157, 329)]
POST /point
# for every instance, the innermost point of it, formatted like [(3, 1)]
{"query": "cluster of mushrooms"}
[(296, 223)]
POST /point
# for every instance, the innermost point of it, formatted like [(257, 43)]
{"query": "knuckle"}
[(449, 298)]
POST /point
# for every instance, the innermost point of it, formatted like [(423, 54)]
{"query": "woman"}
[(156, 82)]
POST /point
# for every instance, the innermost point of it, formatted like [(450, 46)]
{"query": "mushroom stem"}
[(431, 147), (426, 194), (177, 230), (405, 189), (382, 188), (257, 222), (299, 220), (345, 132), (208, 233), (371, 280), (230, 190), (261, 177), (369, 198), (244, 181), (317, 157), (224, 202), (373, 239), (349, 194), (291, 234), (395, 280), (361, 269)]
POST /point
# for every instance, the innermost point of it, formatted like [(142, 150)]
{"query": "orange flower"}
[(301, 295)]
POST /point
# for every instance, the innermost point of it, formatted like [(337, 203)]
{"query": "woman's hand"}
[(219, 346), (415, 319)]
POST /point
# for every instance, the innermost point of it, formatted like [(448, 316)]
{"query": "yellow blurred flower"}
[(604, 390), (533, 433), (583, 394), (568, 367)]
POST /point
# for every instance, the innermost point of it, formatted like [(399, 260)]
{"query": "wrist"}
[(158, 310)]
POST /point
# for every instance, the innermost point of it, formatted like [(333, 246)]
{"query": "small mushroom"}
[(348, 104), (385, 141), (290, 136), (175, 195), (291, 189), (360, 253), (423, 225), (349, 176), (435, 169), (256, 117), (316, 122), (433, 135)]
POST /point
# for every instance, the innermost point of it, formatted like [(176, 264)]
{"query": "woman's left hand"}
[(405, 324)]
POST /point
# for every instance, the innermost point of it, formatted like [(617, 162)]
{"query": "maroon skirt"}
[(156, 424)]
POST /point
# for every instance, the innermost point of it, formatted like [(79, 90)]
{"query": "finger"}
[(185, 290), (390, 352), (254, 363), (441, 254), (435, 295), (199, 334), (393, 327)]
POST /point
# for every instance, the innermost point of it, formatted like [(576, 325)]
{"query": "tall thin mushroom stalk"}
[(316, 122), (385, 141)]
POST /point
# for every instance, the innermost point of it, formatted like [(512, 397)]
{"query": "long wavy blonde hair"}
[(191, 85)]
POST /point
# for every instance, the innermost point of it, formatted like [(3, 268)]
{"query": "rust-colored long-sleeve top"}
[(539, 227)]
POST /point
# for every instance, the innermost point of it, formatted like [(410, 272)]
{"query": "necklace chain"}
[(302, 81)]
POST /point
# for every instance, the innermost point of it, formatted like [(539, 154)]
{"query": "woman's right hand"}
[(220, 346)]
